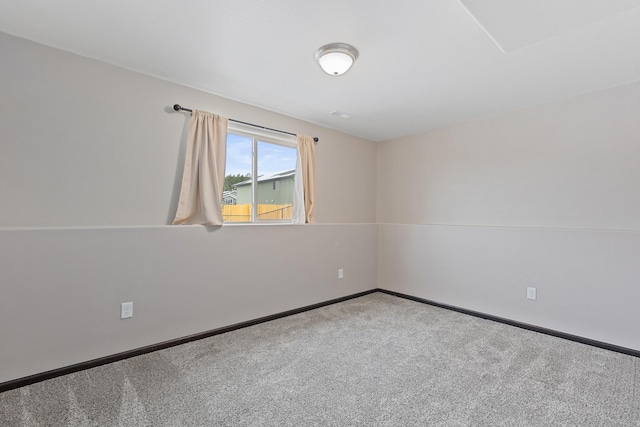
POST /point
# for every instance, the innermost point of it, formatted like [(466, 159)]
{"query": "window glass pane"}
[(236, 198), (276, 171)]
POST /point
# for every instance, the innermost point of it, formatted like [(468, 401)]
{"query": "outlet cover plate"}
[(531, 293), (126, 310)]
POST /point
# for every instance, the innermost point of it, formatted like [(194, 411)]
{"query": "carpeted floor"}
[(377, 360)]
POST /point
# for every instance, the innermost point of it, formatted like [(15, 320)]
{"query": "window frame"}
[(260, 135)]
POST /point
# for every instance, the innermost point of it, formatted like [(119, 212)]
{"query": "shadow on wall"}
[(177, 182)]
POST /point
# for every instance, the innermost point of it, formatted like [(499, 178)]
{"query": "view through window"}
[(259, 177)]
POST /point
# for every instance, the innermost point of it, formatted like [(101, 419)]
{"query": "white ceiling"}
[(423, 64)]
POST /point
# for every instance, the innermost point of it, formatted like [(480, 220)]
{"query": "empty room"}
[(246, 213)]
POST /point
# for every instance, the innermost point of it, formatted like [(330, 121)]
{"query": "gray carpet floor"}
[(376, 360)]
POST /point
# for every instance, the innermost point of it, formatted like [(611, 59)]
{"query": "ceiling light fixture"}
[(336, 58)]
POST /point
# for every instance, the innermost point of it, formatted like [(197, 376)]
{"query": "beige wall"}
[(62, 288), (90, 165), (587, 280), (89, 144), (569, 164), (546, 197), (471, 215)]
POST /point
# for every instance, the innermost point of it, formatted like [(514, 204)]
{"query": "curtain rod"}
[(177, 107)]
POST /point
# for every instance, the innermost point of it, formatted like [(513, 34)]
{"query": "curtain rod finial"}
[(177, 107)]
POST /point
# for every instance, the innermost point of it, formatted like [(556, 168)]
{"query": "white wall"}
[(545, 197), (90, 166)]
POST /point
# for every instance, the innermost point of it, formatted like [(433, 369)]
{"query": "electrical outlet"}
[(126, 310), (531, 293), (340, 274)]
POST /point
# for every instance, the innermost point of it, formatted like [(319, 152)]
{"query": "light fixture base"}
[(336, 58)]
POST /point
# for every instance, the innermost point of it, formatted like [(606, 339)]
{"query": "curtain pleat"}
[(204, 167), (307, 152), (298, 216)]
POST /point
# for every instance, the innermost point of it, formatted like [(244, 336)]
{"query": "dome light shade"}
[(336, 58)]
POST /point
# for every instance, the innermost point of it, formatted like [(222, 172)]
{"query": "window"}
[(260, 174)]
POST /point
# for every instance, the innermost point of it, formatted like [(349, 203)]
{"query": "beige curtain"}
[(203, 176), (307, 150)]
